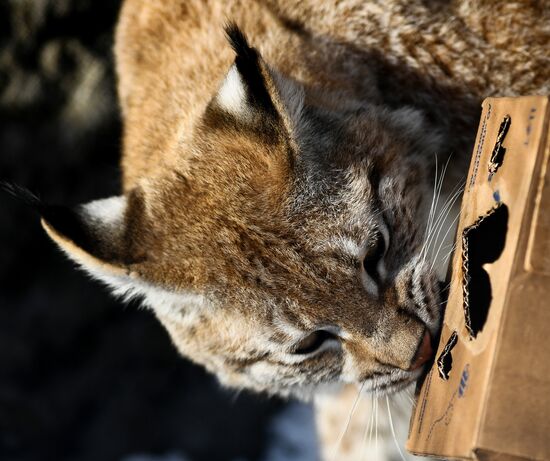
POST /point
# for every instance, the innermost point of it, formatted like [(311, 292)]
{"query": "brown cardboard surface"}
[(538, 254), (495, 401), (486, 455)]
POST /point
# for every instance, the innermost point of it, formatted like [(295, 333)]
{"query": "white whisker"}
[(371, 430), (432, 205), (440, 221), (393, 430), (348, 422), (438, 192), (376, 423), (368, 430), (406, 395), (448, 251), (451, 226), (432, 221)]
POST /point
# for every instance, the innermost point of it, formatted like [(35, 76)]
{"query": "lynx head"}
[(283, 251)]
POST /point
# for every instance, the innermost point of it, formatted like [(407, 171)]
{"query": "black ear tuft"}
[(239, 43), (64, 220), (247, 62), (22, 194)]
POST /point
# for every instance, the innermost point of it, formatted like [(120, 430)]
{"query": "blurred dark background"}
[(83, 377)]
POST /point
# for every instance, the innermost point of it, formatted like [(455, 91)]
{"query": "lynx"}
[(279, 165)]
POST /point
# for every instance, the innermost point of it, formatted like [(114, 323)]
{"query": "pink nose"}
[(424, 352)]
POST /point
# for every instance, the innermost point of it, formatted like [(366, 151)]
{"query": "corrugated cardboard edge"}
[(466, 270), (486, 110)]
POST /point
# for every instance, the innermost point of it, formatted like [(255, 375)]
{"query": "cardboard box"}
[(487, 396)]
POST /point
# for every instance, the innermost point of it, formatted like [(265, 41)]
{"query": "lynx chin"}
[(285, 212)]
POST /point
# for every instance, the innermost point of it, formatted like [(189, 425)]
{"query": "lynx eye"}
[(313, 342), (374, 255)]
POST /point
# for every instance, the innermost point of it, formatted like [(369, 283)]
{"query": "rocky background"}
[(83, 377)]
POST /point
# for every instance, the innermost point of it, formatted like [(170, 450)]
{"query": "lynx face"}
[(285, 252)]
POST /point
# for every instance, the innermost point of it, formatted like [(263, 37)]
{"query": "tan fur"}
[(246, 220)]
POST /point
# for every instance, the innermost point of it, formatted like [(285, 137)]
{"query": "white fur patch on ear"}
[(231, 96), (104, 219), (106, 213)]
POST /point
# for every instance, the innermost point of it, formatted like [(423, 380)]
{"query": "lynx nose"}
[(424, 352)]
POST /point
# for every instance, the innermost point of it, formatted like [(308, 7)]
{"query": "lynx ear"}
[(105, 237), (253, 93), (95, 235), (91, 234)]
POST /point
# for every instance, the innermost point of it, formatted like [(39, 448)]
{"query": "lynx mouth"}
[(397, 384), (400, 379)]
